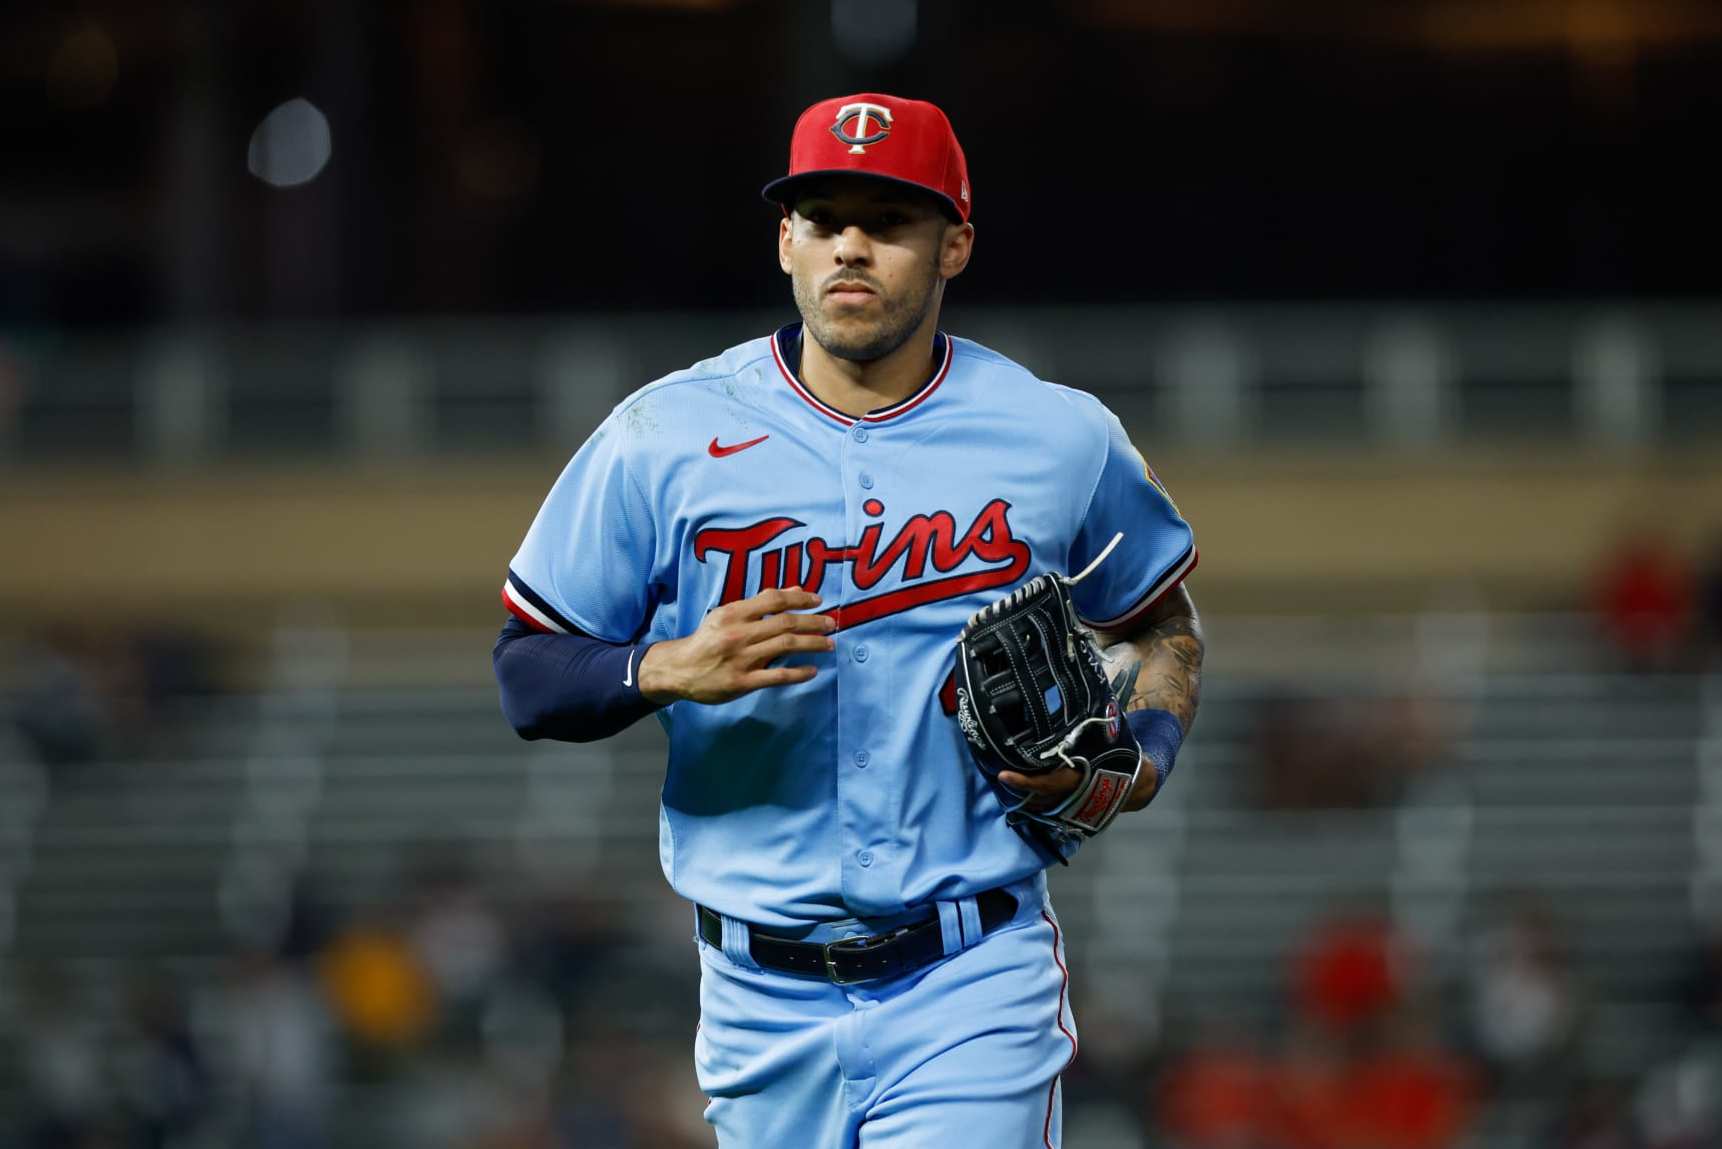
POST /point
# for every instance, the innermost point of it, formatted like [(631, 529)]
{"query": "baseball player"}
[(800, 556)]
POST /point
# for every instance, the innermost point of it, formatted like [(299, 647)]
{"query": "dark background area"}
[(539, 157)]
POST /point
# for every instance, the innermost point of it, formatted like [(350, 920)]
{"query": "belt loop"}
[(970, 912), (735, 943), (950, 927)]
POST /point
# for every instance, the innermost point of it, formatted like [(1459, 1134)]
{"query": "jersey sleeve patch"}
[(531, 608), (1157, 548)]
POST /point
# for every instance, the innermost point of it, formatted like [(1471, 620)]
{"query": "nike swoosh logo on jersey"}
[(718, 452), (628, 679)]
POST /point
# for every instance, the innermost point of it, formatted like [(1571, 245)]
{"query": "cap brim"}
[(782, 191)]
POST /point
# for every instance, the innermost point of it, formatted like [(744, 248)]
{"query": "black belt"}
[(848, 960)]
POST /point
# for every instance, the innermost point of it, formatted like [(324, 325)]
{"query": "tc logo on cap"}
[(859, 139)]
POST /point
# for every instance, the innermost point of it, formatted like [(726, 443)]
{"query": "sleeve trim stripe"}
[(1155, 593), (537, 615)]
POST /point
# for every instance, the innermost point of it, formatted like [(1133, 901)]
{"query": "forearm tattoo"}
[(1160, 669)]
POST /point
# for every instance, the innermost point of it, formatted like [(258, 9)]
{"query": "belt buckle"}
[(856, 945)]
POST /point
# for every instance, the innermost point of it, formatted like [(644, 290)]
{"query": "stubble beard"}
[(901, 318)]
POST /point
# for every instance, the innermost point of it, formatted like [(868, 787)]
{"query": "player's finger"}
[(1056, 784), (778, 645), (776, 676), (776, 601), (796, 623), (1047, 790)]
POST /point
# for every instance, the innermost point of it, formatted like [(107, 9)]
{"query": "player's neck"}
[(857, 388)]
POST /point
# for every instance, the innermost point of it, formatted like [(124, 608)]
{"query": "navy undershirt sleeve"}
[(568, 687)]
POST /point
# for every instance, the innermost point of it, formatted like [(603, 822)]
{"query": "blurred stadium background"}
[(1414, 306)]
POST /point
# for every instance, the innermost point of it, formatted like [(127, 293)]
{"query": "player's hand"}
[(1054, 787), (731, 653), (1049, 789)]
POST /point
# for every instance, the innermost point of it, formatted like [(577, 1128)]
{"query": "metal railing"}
[(1221, 376)]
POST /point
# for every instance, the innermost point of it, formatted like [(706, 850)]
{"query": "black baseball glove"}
[(1032, 696)]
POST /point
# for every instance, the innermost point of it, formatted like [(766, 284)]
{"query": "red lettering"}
[(1105, 787), (922, 593), (816, 556), (920, 540), (948, 694), (988, 536), (911, 544), (867, 570), (739, 544)]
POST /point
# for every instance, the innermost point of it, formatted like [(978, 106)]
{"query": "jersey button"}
[(861, 653), (862, 758), (866, 481), (865, 857), (859, 433)]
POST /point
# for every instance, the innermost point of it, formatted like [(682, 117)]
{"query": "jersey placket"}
[(871, 874)]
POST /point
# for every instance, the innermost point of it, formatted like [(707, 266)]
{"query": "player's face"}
[(868, 263)]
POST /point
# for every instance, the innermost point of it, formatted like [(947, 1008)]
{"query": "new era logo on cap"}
[(884, 137)]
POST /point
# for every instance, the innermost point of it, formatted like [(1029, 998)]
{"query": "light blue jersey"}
[(852, 794)]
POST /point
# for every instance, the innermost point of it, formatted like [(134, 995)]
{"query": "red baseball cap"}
[(883, 137)]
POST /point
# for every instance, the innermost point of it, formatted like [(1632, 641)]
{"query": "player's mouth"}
[(849, 292)]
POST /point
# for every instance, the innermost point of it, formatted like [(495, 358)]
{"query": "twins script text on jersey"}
[(920, 542)]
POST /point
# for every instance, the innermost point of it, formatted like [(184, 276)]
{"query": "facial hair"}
[(902, 316)]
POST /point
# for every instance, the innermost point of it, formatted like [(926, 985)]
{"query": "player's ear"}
[(785, 228), (955, 247)]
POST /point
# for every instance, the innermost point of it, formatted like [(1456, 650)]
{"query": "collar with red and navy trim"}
[(786, 349)]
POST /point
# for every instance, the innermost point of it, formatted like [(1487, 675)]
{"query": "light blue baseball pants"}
[(966, 1052)]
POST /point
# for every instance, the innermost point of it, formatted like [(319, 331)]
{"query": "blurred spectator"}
[(1524, 1001), (173, 666), (446, 1100), (1412, 1094), (382, 995), (1321, 753), (1216, 1096), (1348, 975), (1308, 1099), (308, 925), (282, 1058), (1595, 1115), (163, 1074), (1680, 1104), (92, 692), (645, 1091), (61, 713), (568, 941), (1398, 1089), (1703, 989), (1710, 603), (1358, 1066), (454, 932), (1644, 600), (61, 1050)]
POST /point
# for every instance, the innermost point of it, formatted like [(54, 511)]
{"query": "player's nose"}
[(853, 245)]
